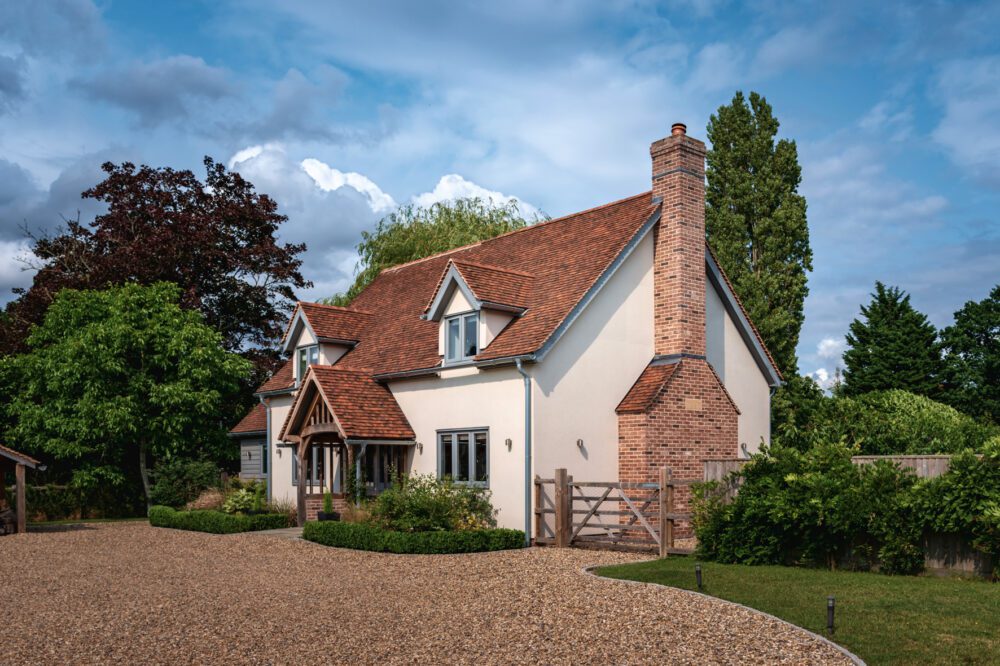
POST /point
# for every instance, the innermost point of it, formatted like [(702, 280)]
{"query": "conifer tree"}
[(972, 358), (756, 221), (892, 347)]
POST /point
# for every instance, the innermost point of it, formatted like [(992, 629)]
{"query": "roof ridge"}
[(528, 227), (338, 308)]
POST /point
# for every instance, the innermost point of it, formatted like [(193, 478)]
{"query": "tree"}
[(894, 347), (215, 239), (972, 358), (412, 232), (756, 221), (118, 374)]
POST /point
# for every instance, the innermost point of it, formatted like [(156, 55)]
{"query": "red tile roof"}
[(364, 408), (490, 284), (335, 323), (254, 421), (647, 388), (281, 380)]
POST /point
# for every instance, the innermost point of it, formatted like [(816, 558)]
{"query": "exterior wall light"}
[(509, 443), (420, 447), (579, 443)]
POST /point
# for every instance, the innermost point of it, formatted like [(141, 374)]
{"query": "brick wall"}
[(314, 504), (692, 420)]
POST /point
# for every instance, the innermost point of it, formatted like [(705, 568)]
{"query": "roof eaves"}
[(743, 324)]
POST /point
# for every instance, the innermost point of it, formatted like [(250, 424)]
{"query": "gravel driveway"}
[(130, 593)]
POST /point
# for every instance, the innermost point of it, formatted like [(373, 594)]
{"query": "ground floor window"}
[(463, 455), (320, 466), (380, 464)]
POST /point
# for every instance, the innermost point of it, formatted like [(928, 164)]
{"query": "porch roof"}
[(347, 403), (20, 458)]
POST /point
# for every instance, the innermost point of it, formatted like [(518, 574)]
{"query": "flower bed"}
[(361, 536), (215, 522)]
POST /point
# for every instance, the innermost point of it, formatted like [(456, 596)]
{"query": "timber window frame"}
[(304, 357), (464, 456), (461, 337)]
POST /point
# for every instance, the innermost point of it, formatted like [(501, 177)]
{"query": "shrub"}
[(424, 503), (177, 482), (214, 522), (327, 502), (813, 508), (248, 497), (374, 538)]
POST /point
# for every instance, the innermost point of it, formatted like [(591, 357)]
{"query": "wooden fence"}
[(640, 516), (925, 467)]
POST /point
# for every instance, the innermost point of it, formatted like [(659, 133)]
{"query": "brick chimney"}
[(679, 238)]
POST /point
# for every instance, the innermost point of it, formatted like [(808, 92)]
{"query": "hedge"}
[(360, 536), (214, 522)]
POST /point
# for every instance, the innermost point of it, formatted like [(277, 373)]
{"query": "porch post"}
[(22, 524), (301, 454)]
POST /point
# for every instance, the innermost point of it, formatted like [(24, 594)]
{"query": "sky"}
[(342, 111)]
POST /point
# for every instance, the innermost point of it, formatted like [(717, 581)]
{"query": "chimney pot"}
[(678, 129)]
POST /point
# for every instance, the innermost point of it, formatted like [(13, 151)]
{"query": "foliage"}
[(251, 497), (215, 522), (362, 536), (813, 508), (886, 620), (413, 232), (215, 238), (756, 221), (893, 347), (798, 409), (60, 502), (424, 503), (966, 500), (327, 502), (972, 358), (897, 422), (122, 374), (177, 481)]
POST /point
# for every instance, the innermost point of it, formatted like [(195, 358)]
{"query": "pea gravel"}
[(130, 593)]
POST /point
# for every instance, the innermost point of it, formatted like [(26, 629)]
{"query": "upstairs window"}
[(307, 356), (461, 337)]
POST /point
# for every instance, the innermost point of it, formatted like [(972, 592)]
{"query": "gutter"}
[(527, 451)]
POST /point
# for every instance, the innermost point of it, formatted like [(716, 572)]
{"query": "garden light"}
[(697, 575), (830, 603)]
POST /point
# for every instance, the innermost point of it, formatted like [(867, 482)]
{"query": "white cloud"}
[(970, 90), (824, 378), (454, 186), (830, 348), (330, 179)]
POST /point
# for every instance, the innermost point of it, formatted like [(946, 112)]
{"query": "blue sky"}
[(342, 110)]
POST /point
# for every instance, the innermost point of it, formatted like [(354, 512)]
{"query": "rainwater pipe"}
[(527, 452)]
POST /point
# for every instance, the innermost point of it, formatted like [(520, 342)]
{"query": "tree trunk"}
[(144, 473)]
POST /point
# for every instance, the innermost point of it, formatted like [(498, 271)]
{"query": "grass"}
[(882, 619)]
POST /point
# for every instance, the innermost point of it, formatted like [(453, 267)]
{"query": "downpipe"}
[(527, 452)]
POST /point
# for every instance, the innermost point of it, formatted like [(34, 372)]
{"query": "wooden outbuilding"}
[(11, 460)]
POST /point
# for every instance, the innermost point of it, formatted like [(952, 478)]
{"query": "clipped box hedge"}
[(360, 536), (214, 522)]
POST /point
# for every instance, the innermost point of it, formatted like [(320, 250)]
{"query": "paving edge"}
[(858, 661)]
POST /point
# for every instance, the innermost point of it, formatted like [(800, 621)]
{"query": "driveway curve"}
[(127, 592)]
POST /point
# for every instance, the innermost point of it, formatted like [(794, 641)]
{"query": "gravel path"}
[(130, 593)]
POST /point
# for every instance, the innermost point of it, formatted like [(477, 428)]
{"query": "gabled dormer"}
[(474, 304), (321, 335)]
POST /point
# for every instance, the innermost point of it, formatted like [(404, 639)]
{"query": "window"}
[(464, 456), (307, 356), (263, 458), (461, 337), (316, 465)]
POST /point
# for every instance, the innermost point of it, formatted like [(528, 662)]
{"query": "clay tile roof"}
[(281, 380), (19, 457), (254, 421), (335, 323), (564, 257), (647, 388), (364, 408)]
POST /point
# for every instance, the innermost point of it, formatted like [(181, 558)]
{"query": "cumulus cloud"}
[(161, 90), (53, 28), (300, 106), (970, 92), (329, 179), (831, 348), (824, 378), (454, 186)]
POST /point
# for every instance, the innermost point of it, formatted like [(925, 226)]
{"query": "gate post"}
[(562, 507), (666, 512)]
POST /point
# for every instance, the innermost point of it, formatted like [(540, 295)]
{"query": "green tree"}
[(121, 374), (972, 358), (756, 221), (893, 347), (412, 232)]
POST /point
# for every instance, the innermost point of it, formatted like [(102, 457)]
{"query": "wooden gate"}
[(608, 514)]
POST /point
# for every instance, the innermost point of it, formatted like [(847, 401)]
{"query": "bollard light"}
[(830, 604), (697, 575)]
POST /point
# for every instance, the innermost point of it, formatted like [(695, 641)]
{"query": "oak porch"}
[(11, 460)]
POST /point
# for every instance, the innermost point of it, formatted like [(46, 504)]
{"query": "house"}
[(608, 342)]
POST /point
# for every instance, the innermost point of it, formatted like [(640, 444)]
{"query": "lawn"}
[(882, 619)]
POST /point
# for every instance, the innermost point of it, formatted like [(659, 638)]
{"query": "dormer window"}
[(461, 337), (307, 356)]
